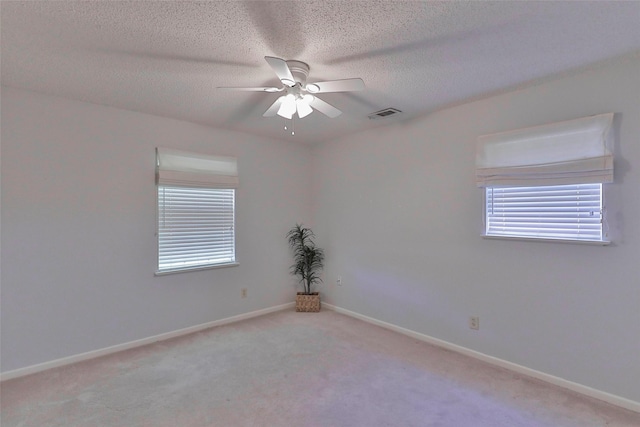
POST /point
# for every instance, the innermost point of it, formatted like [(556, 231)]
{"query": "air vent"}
[(384, 113)]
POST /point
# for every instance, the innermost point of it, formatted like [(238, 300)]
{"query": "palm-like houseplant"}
[(308, 263)]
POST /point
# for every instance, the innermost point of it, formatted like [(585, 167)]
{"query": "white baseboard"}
[(579, 388), (137, 343)]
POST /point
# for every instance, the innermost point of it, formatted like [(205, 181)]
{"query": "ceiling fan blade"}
[(346, 85), (273, 110), (281, 69), (325, 108), (253, 89)]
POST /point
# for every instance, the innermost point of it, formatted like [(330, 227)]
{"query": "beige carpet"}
[(295, 369)]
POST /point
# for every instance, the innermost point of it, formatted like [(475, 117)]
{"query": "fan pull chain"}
[(293, 125)]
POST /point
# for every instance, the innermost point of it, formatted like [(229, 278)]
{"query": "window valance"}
[(185, 169), (571, 152)]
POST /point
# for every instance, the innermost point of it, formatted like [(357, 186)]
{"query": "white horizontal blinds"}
[(567, 212), (571, 152), (195, 227), (180, 168)]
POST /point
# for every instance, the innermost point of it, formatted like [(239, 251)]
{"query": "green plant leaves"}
[(308, 258)]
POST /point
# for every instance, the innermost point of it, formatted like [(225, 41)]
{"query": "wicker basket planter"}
[(308, 303)]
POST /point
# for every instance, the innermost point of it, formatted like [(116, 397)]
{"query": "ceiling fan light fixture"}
[(285, 113), (303, 108), (312, 88), (287, 107)]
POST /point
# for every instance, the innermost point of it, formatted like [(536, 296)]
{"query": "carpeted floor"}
[(295, 369)]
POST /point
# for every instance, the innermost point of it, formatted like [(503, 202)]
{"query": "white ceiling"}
[(167, 58)]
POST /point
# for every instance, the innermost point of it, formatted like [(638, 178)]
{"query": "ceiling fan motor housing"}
[(299, 70)]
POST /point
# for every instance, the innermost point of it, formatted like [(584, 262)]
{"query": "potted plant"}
[(308, 263)]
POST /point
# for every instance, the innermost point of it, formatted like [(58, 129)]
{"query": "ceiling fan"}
[(299, 96)]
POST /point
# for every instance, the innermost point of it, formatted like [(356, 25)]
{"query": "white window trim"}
[(185, 270), (546, 240)]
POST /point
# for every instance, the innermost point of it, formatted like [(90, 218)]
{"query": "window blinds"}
[(195, 227), (571, 152), (567, 212)]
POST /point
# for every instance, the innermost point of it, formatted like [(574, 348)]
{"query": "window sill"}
[(206, 267), (535, 239)]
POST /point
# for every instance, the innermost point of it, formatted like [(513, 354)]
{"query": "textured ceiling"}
[(167, 58)]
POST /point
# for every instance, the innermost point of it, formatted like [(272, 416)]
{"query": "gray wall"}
[(400, 216), (78, 224)]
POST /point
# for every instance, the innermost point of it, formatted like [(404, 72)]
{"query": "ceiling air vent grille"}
[(384, 113)]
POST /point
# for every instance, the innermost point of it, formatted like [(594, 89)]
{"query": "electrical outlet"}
[(474, 322), (243, 292), (339, 281)]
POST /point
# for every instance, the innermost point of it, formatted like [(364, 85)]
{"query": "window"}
[(566, 212), (546, 182), (196, 211), (195, 227)]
